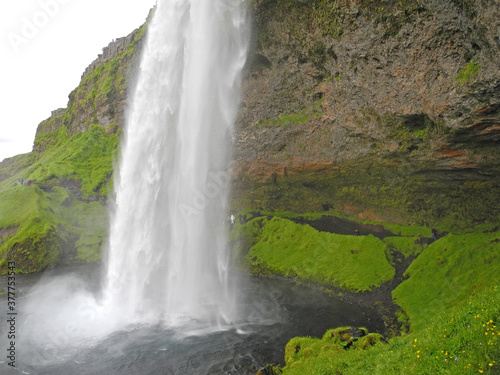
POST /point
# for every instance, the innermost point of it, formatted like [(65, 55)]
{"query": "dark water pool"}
[(273, 311)]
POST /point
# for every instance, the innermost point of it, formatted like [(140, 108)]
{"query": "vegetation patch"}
[(407, 246), (87, 157), (66, 223), (48, 225), (447, 273), (355, 263), (372, 188), (15, 164), (449, 297), (464, 339), (468, 72), (34, 246), (300, 117)]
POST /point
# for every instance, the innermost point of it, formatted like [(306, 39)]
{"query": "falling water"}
[(167, 256)]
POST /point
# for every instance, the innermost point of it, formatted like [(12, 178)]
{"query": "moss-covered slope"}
[(53, 201), (449, 297), (447, 273), (59, 213), (462, 340)]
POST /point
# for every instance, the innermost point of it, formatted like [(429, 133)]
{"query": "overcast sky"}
[(46, 45)]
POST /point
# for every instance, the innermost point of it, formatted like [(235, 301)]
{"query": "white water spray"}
[(167, 256)]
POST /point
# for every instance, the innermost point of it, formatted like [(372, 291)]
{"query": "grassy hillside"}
[(449, 296), (447, 273), (461, 340), (61, 216)]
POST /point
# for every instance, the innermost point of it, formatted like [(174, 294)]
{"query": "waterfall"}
[(167, 252)]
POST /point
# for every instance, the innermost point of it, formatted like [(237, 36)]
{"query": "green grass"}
[(86, 157), (450, 297), (407, 230), (294, 250), (15, 164), (51, 225), (33, 246), (446, 273), (408, 246), (461, 340), (46, 225), (243, 236)]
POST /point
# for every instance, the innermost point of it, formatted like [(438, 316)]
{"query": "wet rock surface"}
[(338, 225), (368, 85)]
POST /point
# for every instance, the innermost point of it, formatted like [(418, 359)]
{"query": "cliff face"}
[(101, 97), (376, 70), (406, 88)]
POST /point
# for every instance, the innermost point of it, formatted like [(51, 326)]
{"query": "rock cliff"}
[(410, 88)]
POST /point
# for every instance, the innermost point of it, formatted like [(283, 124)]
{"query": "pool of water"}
[(272, 312)]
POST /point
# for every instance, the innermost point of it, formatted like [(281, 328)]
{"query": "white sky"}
[(45, 47)]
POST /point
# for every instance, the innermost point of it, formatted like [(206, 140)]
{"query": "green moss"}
[(458, 341), (407, 230), (449, 300), (350, 262), (12, 166), (35, 245), (408, 246), (87, 157), (368, 341), (468, 72), (45, 225), (446, 273), (328, 16), (371, 188), (244, 236), (295, 118)]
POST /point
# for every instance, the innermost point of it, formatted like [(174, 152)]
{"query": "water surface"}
[(273, 311)]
